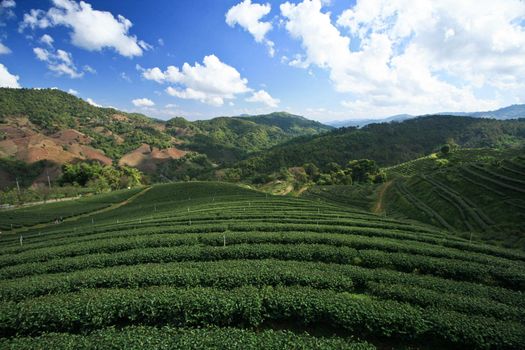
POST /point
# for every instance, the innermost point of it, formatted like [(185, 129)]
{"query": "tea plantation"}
[(212, 265)]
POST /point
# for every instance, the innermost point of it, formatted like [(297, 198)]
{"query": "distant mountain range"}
[(510, 112)]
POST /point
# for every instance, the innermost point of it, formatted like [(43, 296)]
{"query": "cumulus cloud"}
[(423, 56), (211, 83), (143, 102), (125, 77), (72, 92), (8, 4), (59, 61), (6, 10), (248, 15), (4, 49), (89, 69), (47, 39), (262, 96), (7, 79), (91, 29), (93, 103)]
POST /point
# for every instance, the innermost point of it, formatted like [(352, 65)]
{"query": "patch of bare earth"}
[(147, 158)]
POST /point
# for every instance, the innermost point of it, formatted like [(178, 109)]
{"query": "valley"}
[(271, 230)]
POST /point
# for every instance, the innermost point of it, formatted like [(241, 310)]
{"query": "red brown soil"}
[(147, 158)]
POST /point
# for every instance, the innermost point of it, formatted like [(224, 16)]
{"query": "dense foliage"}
[(387, 143), (228, 139), (101, 177)]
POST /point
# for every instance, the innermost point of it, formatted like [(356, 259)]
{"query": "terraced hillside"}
[(211, 265), (50, 212), (485, 197)]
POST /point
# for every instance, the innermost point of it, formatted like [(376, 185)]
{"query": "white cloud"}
[(171, 105), (72, 92), (89, 69), (8, 4), (263, 97), (59, 61), (7, 79), (125, 77), (4, 49), (423, 56), (211, 83), (93, 103), (6, 10), (41, 54), (92, 30), (143, 102), (248, 15), (34, 19), (47, 39)]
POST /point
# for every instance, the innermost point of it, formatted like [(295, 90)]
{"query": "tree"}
[(99, 176), (312, 171), (445, 149), (363, 170)]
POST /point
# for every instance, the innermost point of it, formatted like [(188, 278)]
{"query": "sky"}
[(325, 59)]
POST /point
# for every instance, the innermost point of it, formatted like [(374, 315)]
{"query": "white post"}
[(21, 239)]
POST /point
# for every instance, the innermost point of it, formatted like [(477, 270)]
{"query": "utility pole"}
[(17, 186)]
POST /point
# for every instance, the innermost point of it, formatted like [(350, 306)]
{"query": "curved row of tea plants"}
[(237, 268)]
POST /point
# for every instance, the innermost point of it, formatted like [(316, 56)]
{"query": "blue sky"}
[(327, 60)]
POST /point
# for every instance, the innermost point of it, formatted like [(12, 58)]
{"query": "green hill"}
[(210, 264), (484, 198), (387, 143), (289, 123), (476, 193), (53, 127), (228, 139)]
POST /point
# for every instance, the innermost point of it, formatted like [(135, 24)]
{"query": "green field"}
[(46, 213), (213, 265), (484, 197), (472, 193)]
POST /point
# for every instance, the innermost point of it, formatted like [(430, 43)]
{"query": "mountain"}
[(291, 124), (53, 127), (363, 122), (510, 112), (387, 143), (226, 139)]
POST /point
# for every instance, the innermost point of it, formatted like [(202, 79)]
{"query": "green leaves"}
[(250, 307)]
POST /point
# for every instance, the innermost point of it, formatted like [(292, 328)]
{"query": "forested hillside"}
[(387, 143), (51, 127)]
